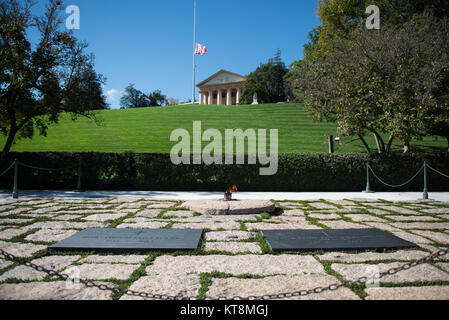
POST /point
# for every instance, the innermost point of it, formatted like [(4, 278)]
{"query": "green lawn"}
[(148, 130)]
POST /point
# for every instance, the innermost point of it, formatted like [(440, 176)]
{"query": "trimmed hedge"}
[(296, 173)]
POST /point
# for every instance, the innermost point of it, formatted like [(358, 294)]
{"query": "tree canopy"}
[(39, 82), (157, 99), (390, 81), (394, 80), (133, 98), (341, 18), (268, 81)]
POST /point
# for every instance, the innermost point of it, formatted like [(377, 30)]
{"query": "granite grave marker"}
[(333, 240), (131, 240)]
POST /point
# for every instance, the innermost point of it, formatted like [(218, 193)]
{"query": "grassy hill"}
[(148, 130)]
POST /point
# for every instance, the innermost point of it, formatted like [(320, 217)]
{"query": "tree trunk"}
[(380, 143), (364, 143), (331, 144), (406, 146), (9, 141), (390, 142), (447, 138)]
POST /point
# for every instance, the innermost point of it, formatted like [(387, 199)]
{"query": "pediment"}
[(222, 77)]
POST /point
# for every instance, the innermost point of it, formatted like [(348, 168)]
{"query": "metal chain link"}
[(7, 169), (43, 169), (89, 284), (399, 185), (299, 293), (444, 175)]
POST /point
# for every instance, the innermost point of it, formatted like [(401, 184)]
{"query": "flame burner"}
[(229, 207), (228, 193)]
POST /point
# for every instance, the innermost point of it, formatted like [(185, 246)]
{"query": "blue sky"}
[(149, 43)]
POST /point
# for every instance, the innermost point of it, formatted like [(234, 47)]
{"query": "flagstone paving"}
[(423, 272), (103, 271), (233, 247), (49, 235), (11, 233), (237, 265), (341, 224), (4, 263), (382, 226), (409, 293), (57, 290), (364, 217), (51, 262), (233, 235), (234, 287), (435, 236), (131, 259), (233, 258), (413, 218), (185, 285), (325, 216), (412, 237), (405, 255)]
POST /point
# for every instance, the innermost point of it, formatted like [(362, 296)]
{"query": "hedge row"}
[(296, 173)]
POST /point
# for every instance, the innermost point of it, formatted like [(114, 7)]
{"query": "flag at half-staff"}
[(200, 49)]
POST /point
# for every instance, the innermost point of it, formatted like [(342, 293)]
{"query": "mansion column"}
[(219, 97), (201, 98), (239, 94), (229, 97), (211, 98)]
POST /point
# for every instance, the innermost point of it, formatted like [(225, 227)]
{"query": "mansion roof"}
[(222, 77)]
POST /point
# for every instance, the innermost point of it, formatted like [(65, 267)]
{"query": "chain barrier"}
[(36, 168), (12, 165), (17, 163), (299, 293), (398, 185), (435, 170), (44, 169)]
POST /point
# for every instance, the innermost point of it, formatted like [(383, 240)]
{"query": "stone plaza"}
[(233, 259)]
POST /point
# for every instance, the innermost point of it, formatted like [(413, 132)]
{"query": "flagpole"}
[(194, 45)]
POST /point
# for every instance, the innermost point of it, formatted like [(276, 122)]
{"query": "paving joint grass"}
[(358, 289)]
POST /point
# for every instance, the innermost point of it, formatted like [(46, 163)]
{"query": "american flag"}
[(200, 49)]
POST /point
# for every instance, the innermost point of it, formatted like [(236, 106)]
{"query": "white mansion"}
[(223, 87)]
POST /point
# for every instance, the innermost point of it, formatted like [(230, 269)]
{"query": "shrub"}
[(296, 173)]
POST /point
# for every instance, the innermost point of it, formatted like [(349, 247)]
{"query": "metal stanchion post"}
[(368, 186), (425, 192), (15, 191), (78, 188)]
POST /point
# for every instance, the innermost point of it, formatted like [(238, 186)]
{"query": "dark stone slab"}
[(333, 240), (131, 240)]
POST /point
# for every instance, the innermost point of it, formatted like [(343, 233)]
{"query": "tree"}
[(157, 99), (268, 81), (441, 129), (394, 80), (133, 98), (341, 18), (172, 102), (293, 92), (38, 84)]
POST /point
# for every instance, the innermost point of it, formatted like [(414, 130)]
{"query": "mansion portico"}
[(224, 87)]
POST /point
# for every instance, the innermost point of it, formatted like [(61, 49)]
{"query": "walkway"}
[(174, 195)]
